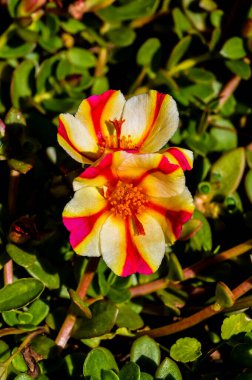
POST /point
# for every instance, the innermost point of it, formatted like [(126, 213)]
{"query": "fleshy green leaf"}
[(235, 324), (186, 350), (128, 318), (239, 68), (223, 295), (81, 57), (20, 293), (130, 11), (203, 237), (233, 48), (121, 36), (97, 360), (146, 353), (178, 51), (248, 184), (20, 90), (147, 51), (168, 369), (104, 315), (130, 371), (109, 375), (227, 171)]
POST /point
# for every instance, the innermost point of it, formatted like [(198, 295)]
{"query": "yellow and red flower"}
[(128, 206), (108, 122)]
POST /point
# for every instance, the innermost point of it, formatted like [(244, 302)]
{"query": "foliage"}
[(52, 55)]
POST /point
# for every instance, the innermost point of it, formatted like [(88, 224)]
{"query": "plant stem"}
[(102, 59), (12, 201), (229, 89), (198, 317), (86, 279), (193, 270), (26, 341), (190, 272)]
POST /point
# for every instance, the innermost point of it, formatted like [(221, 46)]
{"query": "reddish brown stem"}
[(67, 327), (198, 317), (12, 201), (193, 270), (229, 89)]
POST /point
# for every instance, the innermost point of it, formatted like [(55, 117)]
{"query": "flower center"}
[(115, 140), (126, 200)]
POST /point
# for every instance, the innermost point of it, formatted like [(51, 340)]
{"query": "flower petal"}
[(180, 156), (150, 119), (96, 111), (172, 213), (84, 216), (125, 253), (76, 140), (150, 246), (154, 173)]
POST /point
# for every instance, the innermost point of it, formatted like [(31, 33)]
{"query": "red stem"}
[(67, 327)]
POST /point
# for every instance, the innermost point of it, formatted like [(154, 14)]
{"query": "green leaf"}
[(44, 346), (109, 375), (198, 75), (22, 376), (39, 311), (239, 68), (248, 185), (146, 376), (182, 24), (19, 363), (20, 257), (20, 293), (81, 57), (130, 371), (20, 51), (227, 171), (175, 268), (4, 351), (178, 52), (100, 85), (128, 317), (223, 295), (202, 240), (3, 372), (36, 266), (97, 360), (186, 350), (130, 11), (233, 48), (235, 324), (168, 369), (81, 305), (72, 26), (121, 36), (147, 51), (146, 353), (20, 90), (104, 314), (224, 134), (73, 364)]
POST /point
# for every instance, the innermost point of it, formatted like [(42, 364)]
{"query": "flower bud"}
[(22, 230)]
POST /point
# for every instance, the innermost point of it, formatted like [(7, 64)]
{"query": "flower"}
[(128, 206), (108, 122)]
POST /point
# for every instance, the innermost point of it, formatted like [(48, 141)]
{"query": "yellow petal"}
[(150, 119)]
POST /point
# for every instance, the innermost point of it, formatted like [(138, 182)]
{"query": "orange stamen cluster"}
[(115, 140), (126, 200)]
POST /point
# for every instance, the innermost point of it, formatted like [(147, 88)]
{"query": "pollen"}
[(126, 200), (115, 140)]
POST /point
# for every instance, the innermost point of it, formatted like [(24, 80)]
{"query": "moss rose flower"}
[(108, 122), (128, 206)]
